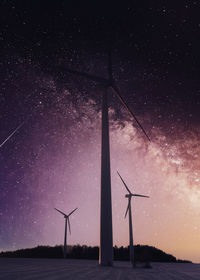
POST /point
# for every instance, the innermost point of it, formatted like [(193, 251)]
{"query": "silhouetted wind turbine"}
[(4, 142), (129, 196), (106, 236), (66, 221)]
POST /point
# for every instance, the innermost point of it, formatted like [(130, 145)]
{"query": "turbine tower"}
[(129, 196), (106, 235), (66, 222)]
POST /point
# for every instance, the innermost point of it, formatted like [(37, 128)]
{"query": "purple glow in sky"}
[(53, 160), (65, 173)]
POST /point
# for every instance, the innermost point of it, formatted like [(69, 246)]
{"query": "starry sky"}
[(53, 160)]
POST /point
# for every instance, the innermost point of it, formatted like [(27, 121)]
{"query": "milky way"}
[(53, 160)]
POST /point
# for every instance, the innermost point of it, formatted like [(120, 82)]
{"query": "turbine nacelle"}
[(134, 194), (129, 195), (106, 83), (66, 217)]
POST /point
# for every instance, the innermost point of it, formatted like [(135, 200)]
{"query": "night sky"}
[(53, 160)]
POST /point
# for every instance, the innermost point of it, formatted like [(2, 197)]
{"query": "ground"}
[(53, 269)]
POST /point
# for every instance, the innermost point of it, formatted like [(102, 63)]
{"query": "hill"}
[(142, 253)]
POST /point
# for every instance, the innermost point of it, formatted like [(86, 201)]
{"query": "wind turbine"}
[(106, 235), (129, 196), (66, 221)]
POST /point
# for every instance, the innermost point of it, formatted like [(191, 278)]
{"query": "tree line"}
[(143, 253)]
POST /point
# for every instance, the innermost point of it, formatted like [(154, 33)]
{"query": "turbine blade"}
[(60, 212), (124, 183), (116, 92), (140, 195), (4, 142), (129, 202), (83, 74), (69, 225), (110, 65), (72, 212)]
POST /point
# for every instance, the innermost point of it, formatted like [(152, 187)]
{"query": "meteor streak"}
[(4, 142)]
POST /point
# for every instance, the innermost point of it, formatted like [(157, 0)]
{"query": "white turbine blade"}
[(72, 212), (129, 202), (1, 145), (60, 212), (124, 183), (116, 92), (140, 195), (69, 225)]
